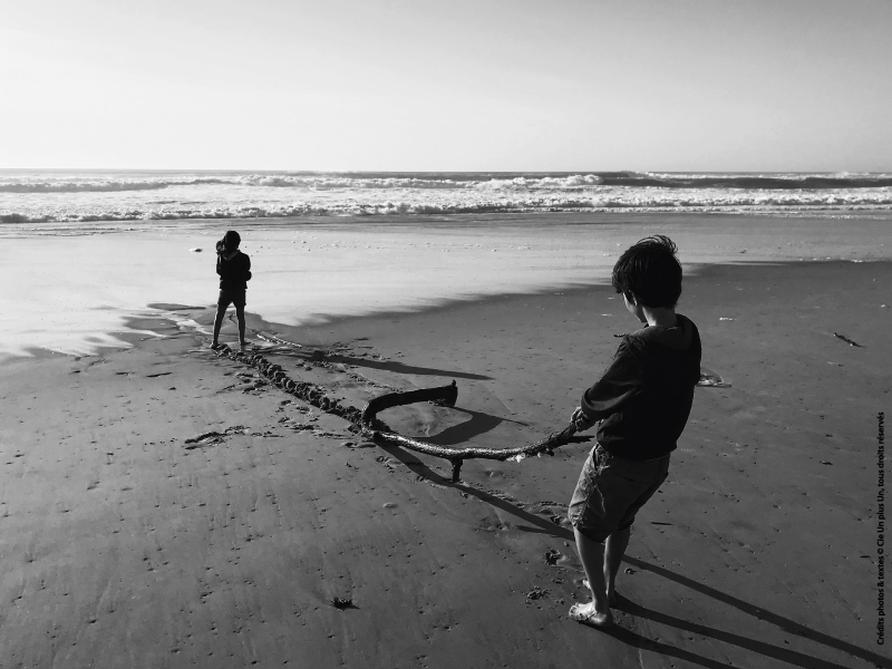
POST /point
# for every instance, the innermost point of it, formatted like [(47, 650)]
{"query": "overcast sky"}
[(450, 85)]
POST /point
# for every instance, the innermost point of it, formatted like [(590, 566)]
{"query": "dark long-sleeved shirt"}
[(644, 398), (234, 270)]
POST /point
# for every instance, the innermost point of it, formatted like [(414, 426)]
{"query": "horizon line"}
[(437, 171)]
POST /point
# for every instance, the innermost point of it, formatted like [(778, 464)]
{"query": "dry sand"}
[(127, 544)]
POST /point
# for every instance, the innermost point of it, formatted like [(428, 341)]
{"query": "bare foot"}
[(611, 594), (587, 614)]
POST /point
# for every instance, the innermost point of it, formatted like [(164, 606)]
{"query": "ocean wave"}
[(459, 181), (647, 200), (751, 181), (302, 182), (78, 187), (420, 182), (336, 182), (524, 183), (43, 198), (98, 186)]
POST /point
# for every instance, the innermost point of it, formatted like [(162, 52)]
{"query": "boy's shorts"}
[(611, 490), (227, 297)]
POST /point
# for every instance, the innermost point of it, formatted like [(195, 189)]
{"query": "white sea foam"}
[(376, 203), (54, 197)]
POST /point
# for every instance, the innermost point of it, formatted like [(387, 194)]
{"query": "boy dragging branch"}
[(642, 402)]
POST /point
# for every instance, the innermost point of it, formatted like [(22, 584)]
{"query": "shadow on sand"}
[(478, 423), (538, 524), (400, 368)]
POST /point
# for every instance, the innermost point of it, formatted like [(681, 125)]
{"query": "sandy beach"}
[(431, 194), (164, 507)]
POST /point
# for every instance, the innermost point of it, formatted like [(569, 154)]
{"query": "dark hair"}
[(650, 271), (231, 240)]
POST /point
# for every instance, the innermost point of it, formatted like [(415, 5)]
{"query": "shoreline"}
[(304, 274), (230, 548), (132, 334)]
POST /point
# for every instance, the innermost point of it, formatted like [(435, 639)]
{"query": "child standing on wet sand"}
[(642, 402), (234, 268)]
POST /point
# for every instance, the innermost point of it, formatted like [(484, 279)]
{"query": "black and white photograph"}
[(478, 334)]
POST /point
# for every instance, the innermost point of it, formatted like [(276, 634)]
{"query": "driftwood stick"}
[(372, 428), (847, 340), (444, 395), (458, 455)]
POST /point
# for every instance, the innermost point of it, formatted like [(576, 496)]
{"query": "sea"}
[(85, 254), (42, 197)]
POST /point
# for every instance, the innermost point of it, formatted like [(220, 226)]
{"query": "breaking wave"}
[(317, 181), (746, 205), (38, 197), (78, 187)]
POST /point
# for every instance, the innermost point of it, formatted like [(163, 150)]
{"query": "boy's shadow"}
[(541, 525)]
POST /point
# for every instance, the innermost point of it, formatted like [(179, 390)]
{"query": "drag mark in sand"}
[(317, 397)]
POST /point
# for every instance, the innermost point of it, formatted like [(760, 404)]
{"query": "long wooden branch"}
[(443, 395), (370, 426), (457, 456)]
